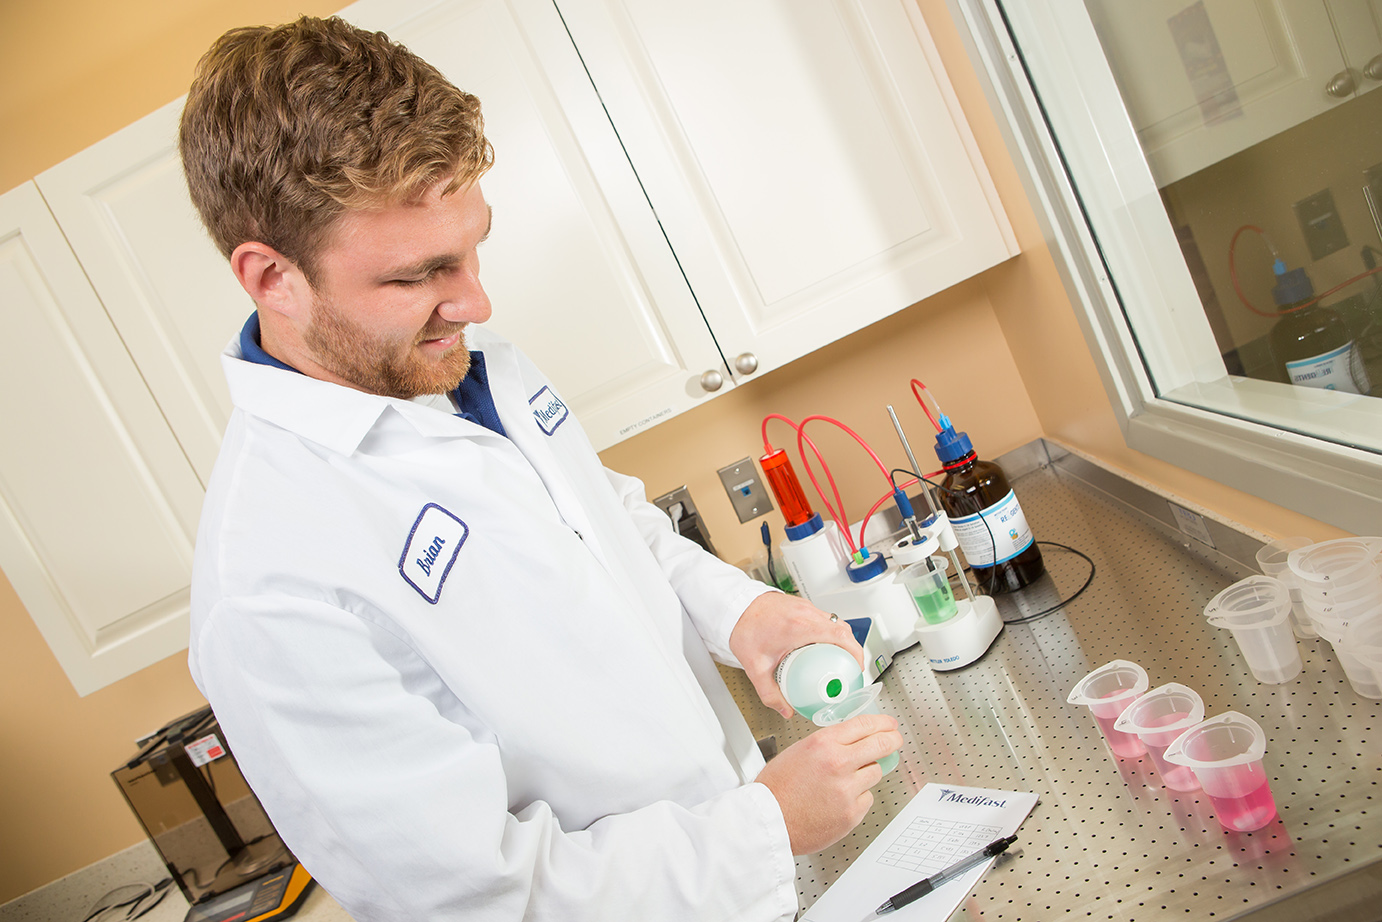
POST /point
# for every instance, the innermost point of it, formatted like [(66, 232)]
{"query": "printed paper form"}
[(941, 825)]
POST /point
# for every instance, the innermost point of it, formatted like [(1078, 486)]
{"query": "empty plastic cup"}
[(1225, 753), (863, 701), (929, 587), (1258, 612), (1364, 638), (1342, 568), (1157, 718), (1362, 641), (1107, 692), (1271, 560), (1361, 677)]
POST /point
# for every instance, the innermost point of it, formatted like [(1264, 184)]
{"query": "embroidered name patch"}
[(431, 550), (548, 410)]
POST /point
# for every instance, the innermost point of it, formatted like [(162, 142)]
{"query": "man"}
[(467, 670)]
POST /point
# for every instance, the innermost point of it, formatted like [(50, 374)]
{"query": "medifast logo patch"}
[(431, 550), (548, 410)]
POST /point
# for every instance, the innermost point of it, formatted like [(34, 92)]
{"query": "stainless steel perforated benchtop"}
[(1107, 841)]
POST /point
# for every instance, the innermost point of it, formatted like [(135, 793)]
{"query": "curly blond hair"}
[(287, 127)]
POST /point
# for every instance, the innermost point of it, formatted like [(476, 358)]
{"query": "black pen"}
[(917, 891)]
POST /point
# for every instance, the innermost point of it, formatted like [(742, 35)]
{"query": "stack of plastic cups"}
[(1364, 639), (1157, 718), (1341, 583), (1225, 753), (1271, 560), (1258, 612), (1107, 692)]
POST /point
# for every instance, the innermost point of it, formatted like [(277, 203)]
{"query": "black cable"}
[(768, 544), (1063, 602)]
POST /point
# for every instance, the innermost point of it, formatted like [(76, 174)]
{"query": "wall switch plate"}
[(1320, 224), (746, 492)]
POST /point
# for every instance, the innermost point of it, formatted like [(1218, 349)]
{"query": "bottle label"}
[(995, 534), (1337, 370)]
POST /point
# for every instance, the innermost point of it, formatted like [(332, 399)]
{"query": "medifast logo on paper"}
[(978, 800), (431, 550)]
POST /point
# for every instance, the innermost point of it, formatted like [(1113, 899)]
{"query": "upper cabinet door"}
[(98, 505), (1205, 80), (124, 207), (806, 158), (580, 275)]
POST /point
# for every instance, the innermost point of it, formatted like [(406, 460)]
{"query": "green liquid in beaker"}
[(936, 606)]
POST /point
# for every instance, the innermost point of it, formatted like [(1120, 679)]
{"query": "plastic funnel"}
[(863, 701), (1107, 692), (1157, 718), (1225, 753), (1271, 560), (1258, 612)]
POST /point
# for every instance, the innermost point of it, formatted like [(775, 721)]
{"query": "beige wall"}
[(1002, 353)]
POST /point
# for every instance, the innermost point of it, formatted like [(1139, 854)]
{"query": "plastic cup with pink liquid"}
[(1107, 692), (1157, 718), (1225, 753)]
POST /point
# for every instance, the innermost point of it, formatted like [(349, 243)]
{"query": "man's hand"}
[(822, 782), (774, 625)]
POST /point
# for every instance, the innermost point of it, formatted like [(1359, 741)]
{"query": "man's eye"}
[(411, 283)]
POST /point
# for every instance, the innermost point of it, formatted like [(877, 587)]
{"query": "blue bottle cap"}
[(1292, 286), (862, 572), (805, 529), (951, 446)]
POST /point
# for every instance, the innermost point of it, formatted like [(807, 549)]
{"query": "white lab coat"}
[(470, 677)]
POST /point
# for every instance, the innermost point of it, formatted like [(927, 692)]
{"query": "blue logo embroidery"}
[(548, 410), (431, 550)]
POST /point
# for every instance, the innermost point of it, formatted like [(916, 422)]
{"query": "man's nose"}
[(465, 300)]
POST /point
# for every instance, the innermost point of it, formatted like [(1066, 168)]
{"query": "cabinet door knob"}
[(1342, 86), (746, 364), (712, 381), (1373, 69)]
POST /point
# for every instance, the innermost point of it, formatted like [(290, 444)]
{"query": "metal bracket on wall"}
[(745, 489)]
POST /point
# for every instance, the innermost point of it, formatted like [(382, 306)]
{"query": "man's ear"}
[(271, 279)]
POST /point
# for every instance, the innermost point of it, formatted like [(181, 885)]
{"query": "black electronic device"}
[(208, 827)]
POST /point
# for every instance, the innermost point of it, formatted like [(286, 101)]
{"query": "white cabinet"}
[(1205, 80), (806, 159), (98, 504), (674, 184)]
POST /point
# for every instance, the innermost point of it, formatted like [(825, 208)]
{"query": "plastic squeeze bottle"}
[(988, 520)]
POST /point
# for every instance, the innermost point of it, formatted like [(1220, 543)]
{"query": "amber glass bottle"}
[(988, 520)]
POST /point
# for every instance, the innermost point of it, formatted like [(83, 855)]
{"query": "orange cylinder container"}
[(782, 480)]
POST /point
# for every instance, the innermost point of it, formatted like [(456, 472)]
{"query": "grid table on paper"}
[(930, 845)]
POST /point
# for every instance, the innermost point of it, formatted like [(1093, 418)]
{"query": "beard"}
[(380, 366)]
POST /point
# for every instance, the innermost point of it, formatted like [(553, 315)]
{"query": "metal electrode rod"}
[(930, 502)]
